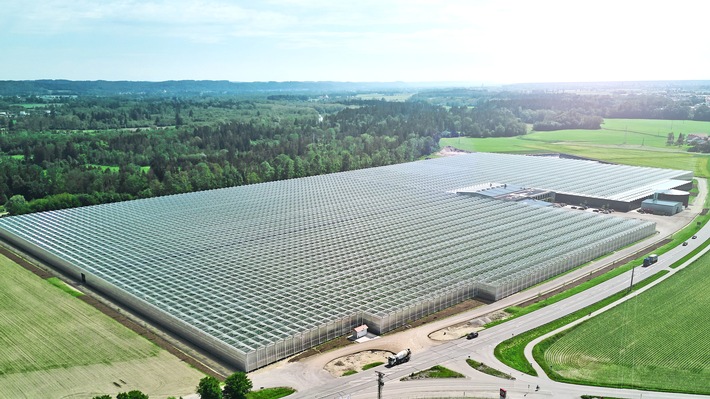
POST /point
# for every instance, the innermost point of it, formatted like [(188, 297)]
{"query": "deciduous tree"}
[(237, 386), (132, 395), (209, 388)]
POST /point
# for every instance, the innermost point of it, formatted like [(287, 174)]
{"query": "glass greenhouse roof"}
[(255, 264)]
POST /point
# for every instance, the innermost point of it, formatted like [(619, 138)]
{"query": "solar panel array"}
[(271, 269)]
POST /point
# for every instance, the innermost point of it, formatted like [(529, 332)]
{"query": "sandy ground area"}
[(355, 361), (449, 151), (460, 330)]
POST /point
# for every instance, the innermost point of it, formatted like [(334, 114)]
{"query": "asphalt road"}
[(313, 382)]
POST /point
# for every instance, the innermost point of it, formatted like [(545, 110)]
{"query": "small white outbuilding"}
[(360, 331)]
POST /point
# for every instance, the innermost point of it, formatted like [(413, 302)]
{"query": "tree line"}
[(49, 169), (67, 151), (236, 386)]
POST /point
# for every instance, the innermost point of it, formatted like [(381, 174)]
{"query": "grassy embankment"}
[(488, 370), (434, 372), (639, 142), (270, 393)]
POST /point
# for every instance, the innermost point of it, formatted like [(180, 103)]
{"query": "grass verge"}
[(511, 351), (371, 365), (271, 393), (488, 370), (434, 372), (598, 397), (55, 281)]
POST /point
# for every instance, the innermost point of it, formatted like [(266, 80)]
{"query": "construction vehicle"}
[(401, 357), (650, 259)]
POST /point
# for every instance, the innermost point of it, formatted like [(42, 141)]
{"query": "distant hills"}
[(177, 87), (49, 87)]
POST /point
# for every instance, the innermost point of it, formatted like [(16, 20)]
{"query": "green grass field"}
[(53, 342), (34, 336), (270, 393), (658, 340), (434, 372), (639, 142), (387, 97)]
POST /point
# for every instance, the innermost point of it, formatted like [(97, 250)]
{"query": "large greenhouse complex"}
[(254, 274)]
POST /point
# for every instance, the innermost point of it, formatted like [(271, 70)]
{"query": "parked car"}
[(472, 335)]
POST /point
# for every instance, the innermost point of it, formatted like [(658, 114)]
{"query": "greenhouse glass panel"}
[(257, 273)]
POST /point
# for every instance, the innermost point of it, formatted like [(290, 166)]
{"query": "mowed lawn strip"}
[(658, 340), (44, 328)]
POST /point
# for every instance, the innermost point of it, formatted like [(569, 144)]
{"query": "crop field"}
[(625, 141), (51, 341), (387, 97), (658, 340)]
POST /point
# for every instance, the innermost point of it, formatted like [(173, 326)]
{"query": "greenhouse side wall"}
[(384, 322), (301, 341), (494, 292)]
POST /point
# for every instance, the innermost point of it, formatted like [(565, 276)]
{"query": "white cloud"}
[(505, 40)]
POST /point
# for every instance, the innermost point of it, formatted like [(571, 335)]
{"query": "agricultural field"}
[(54, 345), (656, 341), (638, 142), (386, 97)]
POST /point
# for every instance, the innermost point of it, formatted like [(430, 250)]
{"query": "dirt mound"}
[(460, 330), (449, 151)]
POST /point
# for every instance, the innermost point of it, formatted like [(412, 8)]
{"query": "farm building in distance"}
[(257, 273)]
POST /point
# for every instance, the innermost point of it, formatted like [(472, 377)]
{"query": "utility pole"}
[(632, 278), (380, 383)]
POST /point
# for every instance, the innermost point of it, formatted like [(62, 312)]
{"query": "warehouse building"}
[(257, 273), (660, 207)]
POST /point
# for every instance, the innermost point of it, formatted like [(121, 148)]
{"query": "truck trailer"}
[(650, 259), (401, 357)]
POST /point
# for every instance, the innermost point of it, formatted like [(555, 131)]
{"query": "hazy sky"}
[(497, 41)]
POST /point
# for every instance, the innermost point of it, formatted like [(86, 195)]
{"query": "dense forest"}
[(62, 145), (71, 151)]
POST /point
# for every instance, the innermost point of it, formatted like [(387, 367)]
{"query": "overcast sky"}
[(497, 41)]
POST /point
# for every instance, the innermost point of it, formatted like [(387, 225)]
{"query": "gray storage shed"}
[(659, 207)]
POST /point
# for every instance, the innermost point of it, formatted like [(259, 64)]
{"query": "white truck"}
[(401, 357)]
